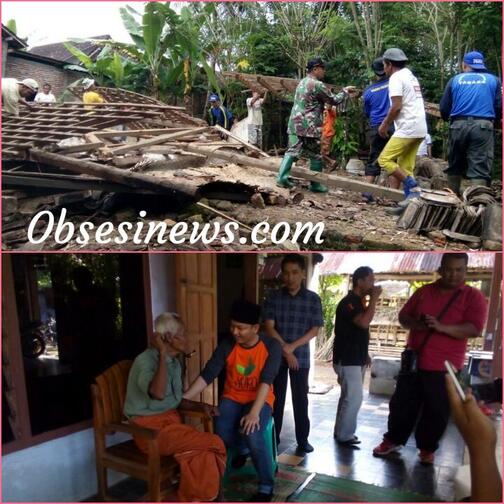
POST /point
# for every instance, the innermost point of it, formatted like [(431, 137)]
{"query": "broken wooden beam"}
[(53, 181), (139, 132), (224, 131), (85, 147), (114, 174), (157, 140), (272, 165)]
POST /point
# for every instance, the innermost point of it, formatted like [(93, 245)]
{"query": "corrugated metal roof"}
[(396, 262)]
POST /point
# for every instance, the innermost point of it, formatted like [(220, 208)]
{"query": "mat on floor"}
[(321, 488), (325, 488)]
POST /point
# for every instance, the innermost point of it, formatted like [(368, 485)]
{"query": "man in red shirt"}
[(422, 395)]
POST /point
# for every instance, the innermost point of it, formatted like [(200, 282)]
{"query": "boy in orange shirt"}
[(252, 362)]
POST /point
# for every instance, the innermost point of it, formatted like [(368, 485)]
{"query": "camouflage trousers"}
[(307, 147)]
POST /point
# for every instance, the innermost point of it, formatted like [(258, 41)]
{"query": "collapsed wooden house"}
[(66, 154)]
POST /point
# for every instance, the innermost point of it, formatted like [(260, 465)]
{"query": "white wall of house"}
[(61, 470)]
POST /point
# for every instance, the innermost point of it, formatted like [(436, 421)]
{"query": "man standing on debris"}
[(218, 114), (472, 101), (441, 317), (255, 118), (46, 95), (305, 122), (350, 350), (250, 362), (153, 397), (15, 92), (293, 316), (407, 112), (376, 107), (90, 94)]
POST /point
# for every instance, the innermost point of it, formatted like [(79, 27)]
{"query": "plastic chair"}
[(232, 452)]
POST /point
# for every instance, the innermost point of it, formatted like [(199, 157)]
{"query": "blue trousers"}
[(227, 427)]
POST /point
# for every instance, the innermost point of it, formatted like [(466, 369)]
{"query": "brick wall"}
[(21, 68)]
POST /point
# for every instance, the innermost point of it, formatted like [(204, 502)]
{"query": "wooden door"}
[(196, 275)]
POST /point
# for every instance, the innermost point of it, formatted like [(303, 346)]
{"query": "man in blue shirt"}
[(472, 101), (293, 316), (218, 114), (376, 107)]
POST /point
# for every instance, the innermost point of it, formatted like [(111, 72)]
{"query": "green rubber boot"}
[(283, 172), (316, 166)]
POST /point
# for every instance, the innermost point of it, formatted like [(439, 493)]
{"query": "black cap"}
[(377, 67), (245, 312), (315, 62)]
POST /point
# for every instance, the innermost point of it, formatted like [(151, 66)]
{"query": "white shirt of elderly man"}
[(45, 96), (255, 119)]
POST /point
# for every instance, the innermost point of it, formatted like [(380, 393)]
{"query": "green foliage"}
[(12, 26), (345, 142), (330, 295)]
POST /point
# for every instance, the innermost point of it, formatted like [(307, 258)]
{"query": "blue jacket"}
[(376, 102), (221, 116), (475, 94)]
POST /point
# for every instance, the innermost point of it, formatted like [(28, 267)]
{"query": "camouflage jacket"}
[(307, 113)]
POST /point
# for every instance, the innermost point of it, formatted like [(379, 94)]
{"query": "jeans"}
[(299, 391), (227, 427), (350, 379), (377, 144), (471, 148)]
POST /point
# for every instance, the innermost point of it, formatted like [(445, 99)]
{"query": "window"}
[(76, 316)]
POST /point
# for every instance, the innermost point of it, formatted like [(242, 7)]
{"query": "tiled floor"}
[(358, 463)]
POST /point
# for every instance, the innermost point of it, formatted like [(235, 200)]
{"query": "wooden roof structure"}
[(282, 87), (279, 86), (117, 95)]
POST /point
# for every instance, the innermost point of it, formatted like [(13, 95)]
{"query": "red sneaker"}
[(426, 457), (385, 448)]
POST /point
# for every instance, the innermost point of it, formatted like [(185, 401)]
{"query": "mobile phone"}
[(451, 372)]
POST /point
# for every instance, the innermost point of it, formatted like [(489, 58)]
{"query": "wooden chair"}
[(108, 394)]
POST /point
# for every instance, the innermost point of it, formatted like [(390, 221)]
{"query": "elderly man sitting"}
[(154, 393), (15, 92)]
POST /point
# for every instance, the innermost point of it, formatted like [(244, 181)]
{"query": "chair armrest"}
[(192, 414), (132, 429), (205, 420)]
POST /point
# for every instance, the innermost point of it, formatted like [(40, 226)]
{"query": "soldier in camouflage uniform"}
[(305, 123)]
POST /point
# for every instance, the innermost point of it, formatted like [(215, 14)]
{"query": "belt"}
[(472, 118)]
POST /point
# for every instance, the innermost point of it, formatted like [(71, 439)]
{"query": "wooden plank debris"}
[(115, 174), (334, 181), (157, 140)]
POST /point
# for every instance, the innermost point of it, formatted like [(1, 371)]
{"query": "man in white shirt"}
[(407, 112), (255, 119), (45, 96), (15, 92)]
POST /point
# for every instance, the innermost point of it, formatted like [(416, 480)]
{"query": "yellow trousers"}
[(400, 153)]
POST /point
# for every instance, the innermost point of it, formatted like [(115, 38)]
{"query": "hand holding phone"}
[(451, 373)]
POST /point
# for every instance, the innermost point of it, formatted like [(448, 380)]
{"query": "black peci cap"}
[(245, 312)]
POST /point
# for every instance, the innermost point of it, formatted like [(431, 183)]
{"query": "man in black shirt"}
[(350, 351)]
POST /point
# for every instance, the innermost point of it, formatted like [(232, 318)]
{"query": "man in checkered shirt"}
[(293, 315)]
